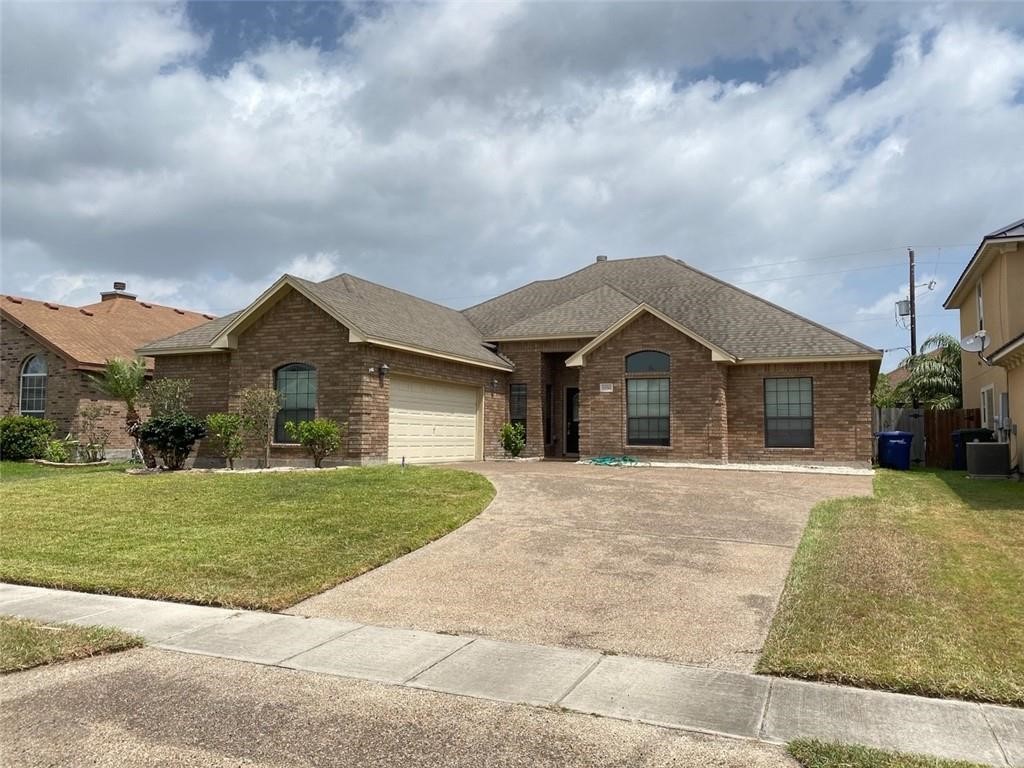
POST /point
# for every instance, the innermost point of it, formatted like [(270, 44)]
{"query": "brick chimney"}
[(119, 292)]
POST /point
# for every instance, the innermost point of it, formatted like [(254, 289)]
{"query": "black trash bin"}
[(961, 437)]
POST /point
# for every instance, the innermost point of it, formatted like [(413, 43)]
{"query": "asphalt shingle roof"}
[(583, 303), (95, 333), (586, 315), (742, 324), (375, 311)]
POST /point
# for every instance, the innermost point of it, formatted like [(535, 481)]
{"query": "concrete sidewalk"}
[(671, 695)]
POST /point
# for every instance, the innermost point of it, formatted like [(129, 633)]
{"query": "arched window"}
[(647, 398), (647, 361), (33, 387), (297, 384)]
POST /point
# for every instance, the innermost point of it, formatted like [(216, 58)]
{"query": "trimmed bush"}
[(172, 437), (24, 437), (513, 438), (224, 432), (319, 436)]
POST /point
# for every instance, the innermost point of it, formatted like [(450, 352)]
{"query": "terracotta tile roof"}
[(742, 324), (89, 336)]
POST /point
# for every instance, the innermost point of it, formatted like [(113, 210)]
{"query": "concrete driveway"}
[(681, 564)]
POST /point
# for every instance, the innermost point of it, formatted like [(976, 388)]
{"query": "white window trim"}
[(980, 295), (987, 419), (21, 386)]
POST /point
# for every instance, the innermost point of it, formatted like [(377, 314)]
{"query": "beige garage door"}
[(430, 422)]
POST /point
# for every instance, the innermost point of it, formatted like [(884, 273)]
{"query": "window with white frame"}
[(981, 307), (988, 407), (33, 387)]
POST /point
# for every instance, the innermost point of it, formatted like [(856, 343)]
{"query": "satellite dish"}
[(976, 342)]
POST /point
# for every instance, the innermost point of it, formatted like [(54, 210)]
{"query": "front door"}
[(572, 420)]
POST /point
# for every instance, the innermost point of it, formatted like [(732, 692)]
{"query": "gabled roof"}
[(371, 312), (717, 353), (89, 336), (1010, 233), (581, 317), (744, 326)]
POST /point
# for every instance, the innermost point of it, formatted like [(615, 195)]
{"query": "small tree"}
[(513, 438), (122, 380), (167, 397), (259, 407), (934, 374), (93, 432), (173, 437), (224, 434), (320, 437), (885, 394)]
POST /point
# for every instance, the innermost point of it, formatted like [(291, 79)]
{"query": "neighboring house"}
[(647, 357), (48, 350), (990, 298), (901, 373)]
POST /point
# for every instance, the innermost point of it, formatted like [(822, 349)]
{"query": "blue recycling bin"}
[(894, 449)]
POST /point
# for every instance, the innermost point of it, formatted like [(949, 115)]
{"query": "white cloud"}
[(457, 151)]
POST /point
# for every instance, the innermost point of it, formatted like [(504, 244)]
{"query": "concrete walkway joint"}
[(690, 698)]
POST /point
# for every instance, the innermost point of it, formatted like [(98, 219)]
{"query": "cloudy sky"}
[(455, 151)]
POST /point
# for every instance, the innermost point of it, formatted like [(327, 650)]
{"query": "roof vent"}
[(48, 305), (14, 299), (86, 312), (601, 258)]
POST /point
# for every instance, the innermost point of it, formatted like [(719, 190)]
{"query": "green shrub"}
[(172, 437), (513, 438), (24, 437), (224, 432), (319, 436), (57, 451)]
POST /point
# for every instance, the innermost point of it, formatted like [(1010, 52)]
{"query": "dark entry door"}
[(572, 420)]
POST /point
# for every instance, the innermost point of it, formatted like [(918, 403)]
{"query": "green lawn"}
[(262, 541), (25, 644), (919, 589), (816, 754), (11, 471)]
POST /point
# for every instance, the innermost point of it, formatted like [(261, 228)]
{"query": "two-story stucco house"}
[(990, 298)]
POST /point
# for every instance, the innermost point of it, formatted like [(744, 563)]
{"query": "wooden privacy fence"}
[(932, 430), (938, 429)]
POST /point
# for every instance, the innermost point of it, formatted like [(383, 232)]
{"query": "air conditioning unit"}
[(988, 459)]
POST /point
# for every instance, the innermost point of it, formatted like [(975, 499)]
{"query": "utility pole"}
[(913, 306)]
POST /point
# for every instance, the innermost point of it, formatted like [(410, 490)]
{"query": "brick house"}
[(48, 351), (647, 357)]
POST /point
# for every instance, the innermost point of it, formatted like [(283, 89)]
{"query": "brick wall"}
[(842, 413), (534, 369), (371, 437), (67, 389), (696, 390), (296, 331)]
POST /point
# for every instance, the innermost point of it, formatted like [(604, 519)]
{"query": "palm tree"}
[(123, 380), (934, 377)]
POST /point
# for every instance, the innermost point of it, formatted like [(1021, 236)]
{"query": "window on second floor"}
[(981, 308)]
